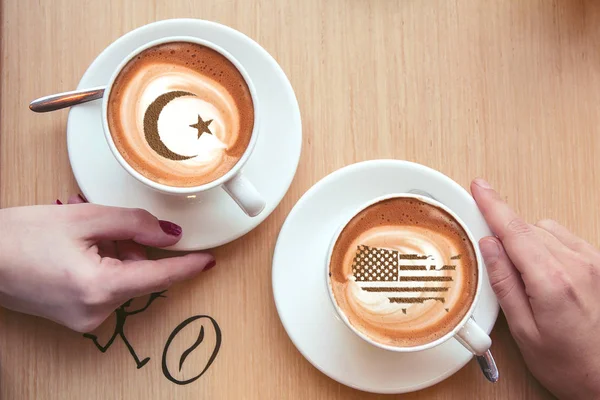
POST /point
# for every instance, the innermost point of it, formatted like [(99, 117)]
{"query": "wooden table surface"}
[(508, 90)]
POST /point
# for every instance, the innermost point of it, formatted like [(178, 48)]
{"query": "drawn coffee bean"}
[(198, 342)]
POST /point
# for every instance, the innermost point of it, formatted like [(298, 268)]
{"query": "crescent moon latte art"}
[(181, 114)]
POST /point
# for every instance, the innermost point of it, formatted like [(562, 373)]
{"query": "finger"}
[(106, 248), (78, 199), (526, 250), (508, 285), (554, 246), (142, 277), (114, 223), (128, 250), (566, 237)]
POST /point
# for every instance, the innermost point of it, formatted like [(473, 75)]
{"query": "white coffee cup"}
[(239, 188), (467, 332)]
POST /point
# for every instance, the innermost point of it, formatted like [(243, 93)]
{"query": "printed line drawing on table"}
[(121, 315)]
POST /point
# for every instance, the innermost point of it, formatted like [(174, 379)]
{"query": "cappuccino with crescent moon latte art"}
[(181, 114)]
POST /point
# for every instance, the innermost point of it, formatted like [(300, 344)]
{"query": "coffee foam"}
[(426, 281), (214, 90)]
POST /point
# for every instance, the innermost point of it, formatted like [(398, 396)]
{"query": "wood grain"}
[(509, 90)]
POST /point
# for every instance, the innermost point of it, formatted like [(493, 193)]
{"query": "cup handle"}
[(243, 192), (474, 338)]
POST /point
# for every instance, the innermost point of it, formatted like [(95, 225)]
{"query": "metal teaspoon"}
[(66, 99)]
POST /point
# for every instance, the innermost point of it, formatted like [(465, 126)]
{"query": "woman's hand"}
[(75, 264), (547, 281)]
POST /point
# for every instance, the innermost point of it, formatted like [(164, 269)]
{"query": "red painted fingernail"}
[(170, 228), (210, 265), (82, 198), (59, 202)]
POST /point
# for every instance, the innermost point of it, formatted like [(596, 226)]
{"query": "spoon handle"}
[(66, 99), (488, 366)]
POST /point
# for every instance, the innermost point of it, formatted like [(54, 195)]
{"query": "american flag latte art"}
[(403, 272), (404, 279)]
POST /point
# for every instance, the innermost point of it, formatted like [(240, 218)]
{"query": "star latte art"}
[(181, 114)]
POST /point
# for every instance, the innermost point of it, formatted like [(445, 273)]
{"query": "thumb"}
[(138, 278), (114, 223), (507, 284)]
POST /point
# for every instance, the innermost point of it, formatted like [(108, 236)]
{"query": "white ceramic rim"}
[(175, 189), (462, 322)]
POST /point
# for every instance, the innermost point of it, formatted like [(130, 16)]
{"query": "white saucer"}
[(301, 294), (211, 219)]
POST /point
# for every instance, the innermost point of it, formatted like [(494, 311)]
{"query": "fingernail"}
[(210, 265), (170, 228), (482, 183), (82, 198), (59, 202), (490, 250)]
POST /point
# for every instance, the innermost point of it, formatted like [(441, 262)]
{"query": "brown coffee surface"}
[(404, 272), (181, 114)]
